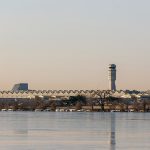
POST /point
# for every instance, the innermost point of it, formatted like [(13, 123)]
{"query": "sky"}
[(68, 44)]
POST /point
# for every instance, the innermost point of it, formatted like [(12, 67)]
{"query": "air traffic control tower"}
[(112, 77)]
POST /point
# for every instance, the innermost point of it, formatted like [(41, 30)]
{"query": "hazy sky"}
[(68, 44)]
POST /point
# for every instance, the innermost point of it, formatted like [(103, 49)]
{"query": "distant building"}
[(112, 77), (20, 87)]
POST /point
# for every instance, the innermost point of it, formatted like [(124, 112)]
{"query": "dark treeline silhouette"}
[(104, 102)]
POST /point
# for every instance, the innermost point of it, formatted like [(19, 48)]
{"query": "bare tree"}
[(78, 106), (103, 97)]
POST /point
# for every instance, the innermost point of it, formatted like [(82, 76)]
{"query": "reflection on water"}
[(113, 132), (23, 131), (113, 147), (75, 131)]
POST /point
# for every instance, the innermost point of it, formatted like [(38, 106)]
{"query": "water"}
[(74, 131)]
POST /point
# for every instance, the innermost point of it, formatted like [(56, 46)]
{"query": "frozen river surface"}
[(74, 131)]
